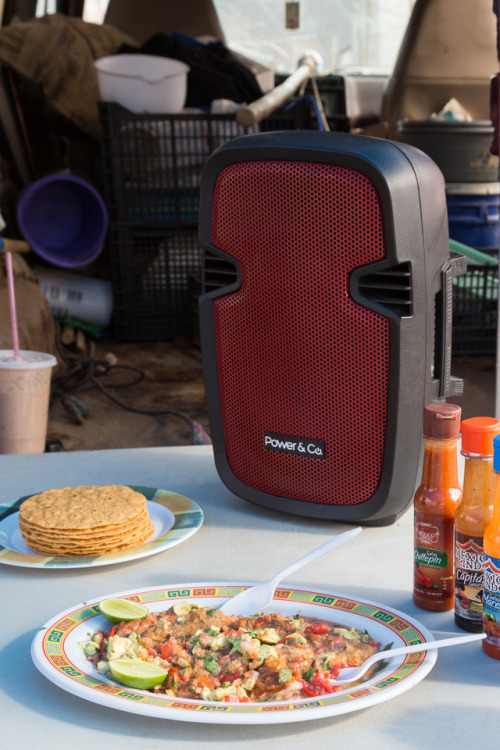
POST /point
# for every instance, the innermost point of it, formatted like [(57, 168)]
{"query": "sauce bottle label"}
[(434, 562), (469, 575), (491, 600)]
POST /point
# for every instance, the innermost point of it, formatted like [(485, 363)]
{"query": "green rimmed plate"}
[(174, 517)]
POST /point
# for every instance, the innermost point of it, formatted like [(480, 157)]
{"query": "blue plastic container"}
[(474, 220), (64, 219)]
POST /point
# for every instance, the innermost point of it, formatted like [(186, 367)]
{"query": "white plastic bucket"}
[(69, 295), (143, 83)]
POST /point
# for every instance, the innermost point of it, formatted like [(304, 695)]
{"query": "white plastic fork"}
[(352, 674), (255, 598)]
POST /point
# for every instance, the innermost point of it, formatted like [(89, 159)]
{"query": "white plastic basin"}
[(143, 83)]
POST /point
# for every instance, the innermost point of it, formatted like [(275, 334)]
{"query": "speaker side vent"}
[(217, 272), (390, 287)]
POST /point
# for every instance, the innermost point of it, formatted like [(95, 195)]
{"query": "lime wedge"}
[(122, 610), (137, 673)]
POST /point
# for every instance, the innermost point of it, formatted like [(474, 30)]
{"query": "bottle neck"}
[(479, 480), (475, 510), (440, 469)]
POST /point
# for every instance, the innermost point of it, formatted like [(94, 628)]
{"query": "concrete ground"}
[(90, 418), (106, 404)]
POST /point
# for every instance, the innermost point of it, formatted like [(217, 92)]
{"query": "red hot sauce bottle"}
[(435, 503)]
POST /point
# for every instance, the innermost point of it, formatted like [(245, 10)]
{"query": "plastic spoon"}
[(255, 598), (352, 674)]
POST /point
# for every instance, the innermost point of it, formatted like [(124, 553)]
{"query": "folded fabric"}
[(57, 52)]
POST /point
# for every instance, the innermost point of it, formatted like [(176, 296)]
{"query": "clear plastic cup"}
[(24, 400)]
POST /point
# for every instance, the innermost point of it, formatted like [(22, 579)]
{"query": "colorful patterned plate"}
[(174, 517), (56, 653)]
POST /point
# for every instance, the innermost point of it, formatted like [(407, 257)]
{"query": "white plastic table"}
[(458, 701)]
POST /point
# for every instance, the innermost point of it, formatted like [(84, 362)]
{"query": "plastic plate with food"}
[(60, 651)]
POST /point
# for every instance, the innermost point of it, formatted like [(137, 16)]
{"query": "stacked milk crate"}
[(462, 151), (151, 167), (151, 173)]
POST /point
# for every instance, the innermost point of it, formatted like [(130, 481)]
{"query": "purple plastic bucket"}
[(64, 219)]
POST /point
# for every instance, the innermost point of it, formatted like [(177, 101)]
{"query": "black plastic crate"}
[(151, 270), (331, 90), (152, 164), (475, 313)]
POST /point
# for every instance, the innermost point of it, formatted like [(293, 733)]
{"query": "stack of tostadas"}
[(85, 521)]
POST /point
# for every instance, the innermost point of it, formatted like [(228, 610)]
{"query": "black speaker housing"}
[(267, 185)]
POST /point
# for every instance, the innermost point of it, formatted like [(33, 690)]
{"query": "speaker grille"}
[(296, 355)]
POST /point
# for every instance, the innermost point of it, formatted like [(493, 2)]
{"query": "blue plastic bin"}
[(474, 220)]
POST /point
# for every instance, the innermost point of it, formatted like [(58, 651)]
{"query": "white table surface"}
[(458, 702)]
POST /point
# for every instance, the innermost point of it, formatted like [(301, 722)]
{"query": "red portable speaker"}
[(325, 319)]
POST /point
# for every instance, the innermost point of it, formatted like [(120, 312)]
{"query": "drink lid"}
[(442, 421), (478, 434), (27, 360)]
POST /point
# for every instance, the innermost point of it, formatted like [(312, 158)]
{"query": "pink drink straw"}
[(12, 304)]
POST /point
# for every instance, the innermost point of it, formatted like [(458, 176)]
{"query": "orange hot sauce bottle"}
[(491, 581), (435, 503), (471, 519)]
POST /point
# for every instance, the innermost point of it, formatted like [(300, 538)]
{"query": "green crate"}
[(475, 304)]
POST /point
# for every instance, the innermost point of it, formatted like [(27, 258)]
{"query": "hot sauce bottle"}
[(435, 503), (472, 517), (491, 581)]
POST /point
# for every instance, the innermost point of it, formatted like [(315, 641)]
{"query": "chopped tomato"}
[(319, 685), (312, 688), (318, 628), (324, 681), (334, 671), (166, 649), (236, 699)]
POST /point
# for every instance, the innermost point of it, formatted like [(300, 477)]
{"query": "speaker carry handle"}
[(450, 386)]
